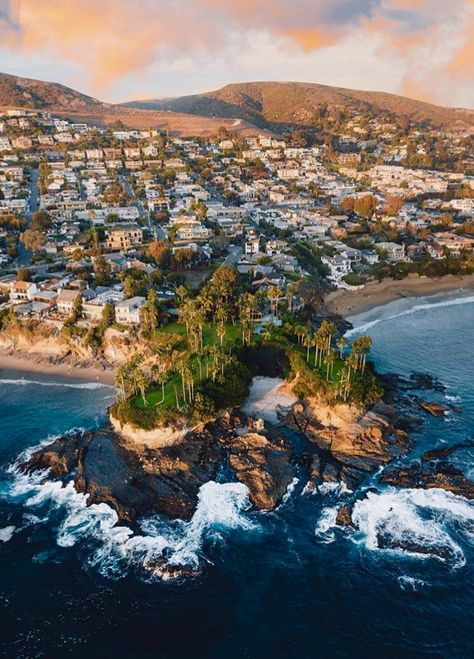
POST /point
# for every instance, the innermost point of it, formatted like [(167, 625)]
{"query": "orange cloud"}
[(112, 39)]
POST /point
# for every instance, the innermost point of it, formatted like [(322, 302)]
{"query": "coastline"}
[(20, 364), (352, 303)]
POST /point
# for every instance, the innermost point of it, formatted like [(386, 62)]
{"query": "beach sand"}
[(350, 303), (23, 365)]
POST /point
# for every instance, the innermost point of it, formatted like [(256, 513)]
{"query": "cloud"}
[(114, 39)]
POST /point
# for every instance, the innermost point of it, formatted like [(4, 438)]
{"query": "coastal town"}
[(236, 329), (94, 218)]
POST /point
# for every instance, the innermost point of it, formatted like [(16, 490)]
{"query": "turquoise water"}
[(281, 584)]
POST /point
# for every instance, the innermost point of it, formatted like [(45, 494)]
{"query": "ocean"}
[(281, 584)]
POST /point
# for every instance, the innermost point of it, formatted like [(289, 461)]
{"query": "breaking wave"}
[(6, 534), (163, 550), (415, 309), (70, 385), (416, 523)]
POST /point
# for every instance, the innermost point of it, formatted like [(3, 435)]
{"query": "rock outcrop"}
[(348, 443), (137, 480), (441, 476)]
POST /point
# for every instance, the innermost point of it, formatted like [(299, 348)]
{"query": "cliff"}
[(349, 443)]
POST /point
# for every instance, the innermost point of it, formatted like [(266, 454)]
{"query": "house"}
[(252, 242), (338, 265), (275, 247), (128, 311), (124, 237), (66, 300), (22, 290), (394, 251)]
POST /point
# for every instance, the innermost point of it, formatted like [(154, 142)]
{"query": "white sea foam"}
[(114, 549), (453, 399), (416, 522), (6, 534), (289, 491), (411, 583), (407, 312), (71, 385), (324, 530), (413, 522), (333, 488)]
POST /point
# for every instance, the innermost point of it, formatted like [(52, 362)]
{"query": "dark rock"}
[(442, 475), (136, 480), (445, 451), (435, 409), (344, 516)]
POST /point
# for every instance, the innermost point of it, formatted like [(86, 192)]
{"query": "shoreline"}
[(375, 294), (22, 364)]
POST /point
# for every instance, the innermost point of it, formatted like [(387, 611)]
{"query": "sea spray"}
[(415, 522), (21, 382), (114, 549)]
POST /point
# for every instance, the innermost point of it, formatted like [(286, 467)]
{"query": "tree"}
[(341, 344), (33, 240), (160, 252), (101, 271), (330, 358), (393, 204), (365, 205), (115, 195), (23, 274), (149, 316), (108, 315), (40, 221), (221, 333)]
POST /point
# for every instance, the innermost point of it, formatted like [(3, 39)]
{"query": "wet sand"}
[(23, 365)]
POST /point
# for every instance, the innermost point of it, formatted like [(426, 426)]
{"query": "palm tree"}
[(330, 357), (121, 376), (341, 344), (159, 374), (141, 382), (308, 343), (221, 332), (366, 344)]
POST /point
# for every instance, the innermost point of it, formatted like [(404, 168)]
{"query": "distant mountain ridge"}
[(265, 105), (36, 94), (269, 104)]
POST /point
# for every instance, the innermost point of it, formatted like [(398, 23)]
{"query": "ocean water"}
[(281, 584)]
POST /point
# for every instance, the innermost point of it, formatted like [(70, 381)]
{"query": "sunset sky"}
[(128, 49)]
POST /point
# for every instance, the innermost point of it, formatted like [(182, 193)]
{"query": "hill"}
[(277, 104), (36, 94), (26, 93), (243, 108)]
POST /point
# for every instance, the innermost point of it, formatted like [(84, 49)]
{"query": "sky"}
[(120, 50)]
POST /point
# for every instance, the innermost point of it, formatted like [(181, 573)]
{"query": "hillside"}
[(273, 104), (242, 107), (36, 94)]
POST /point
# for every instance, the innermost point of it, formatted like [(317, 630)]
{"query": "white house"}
[(128, 311)]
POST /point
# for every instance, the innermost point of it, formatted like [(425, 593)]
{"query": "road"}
[(25, 257)]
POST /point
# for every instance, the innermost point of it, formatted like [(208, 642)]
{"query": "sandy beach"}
[(374, 294), (24, 365)]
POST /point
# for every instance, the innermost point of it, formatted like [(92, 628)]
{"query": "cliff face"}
[(42, 343), (349, 443)]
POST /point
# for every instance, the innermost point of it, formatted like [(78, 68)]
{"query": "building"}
[(394, 251), (124, 237), (66, 301), (22, 290), (128, 311)]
